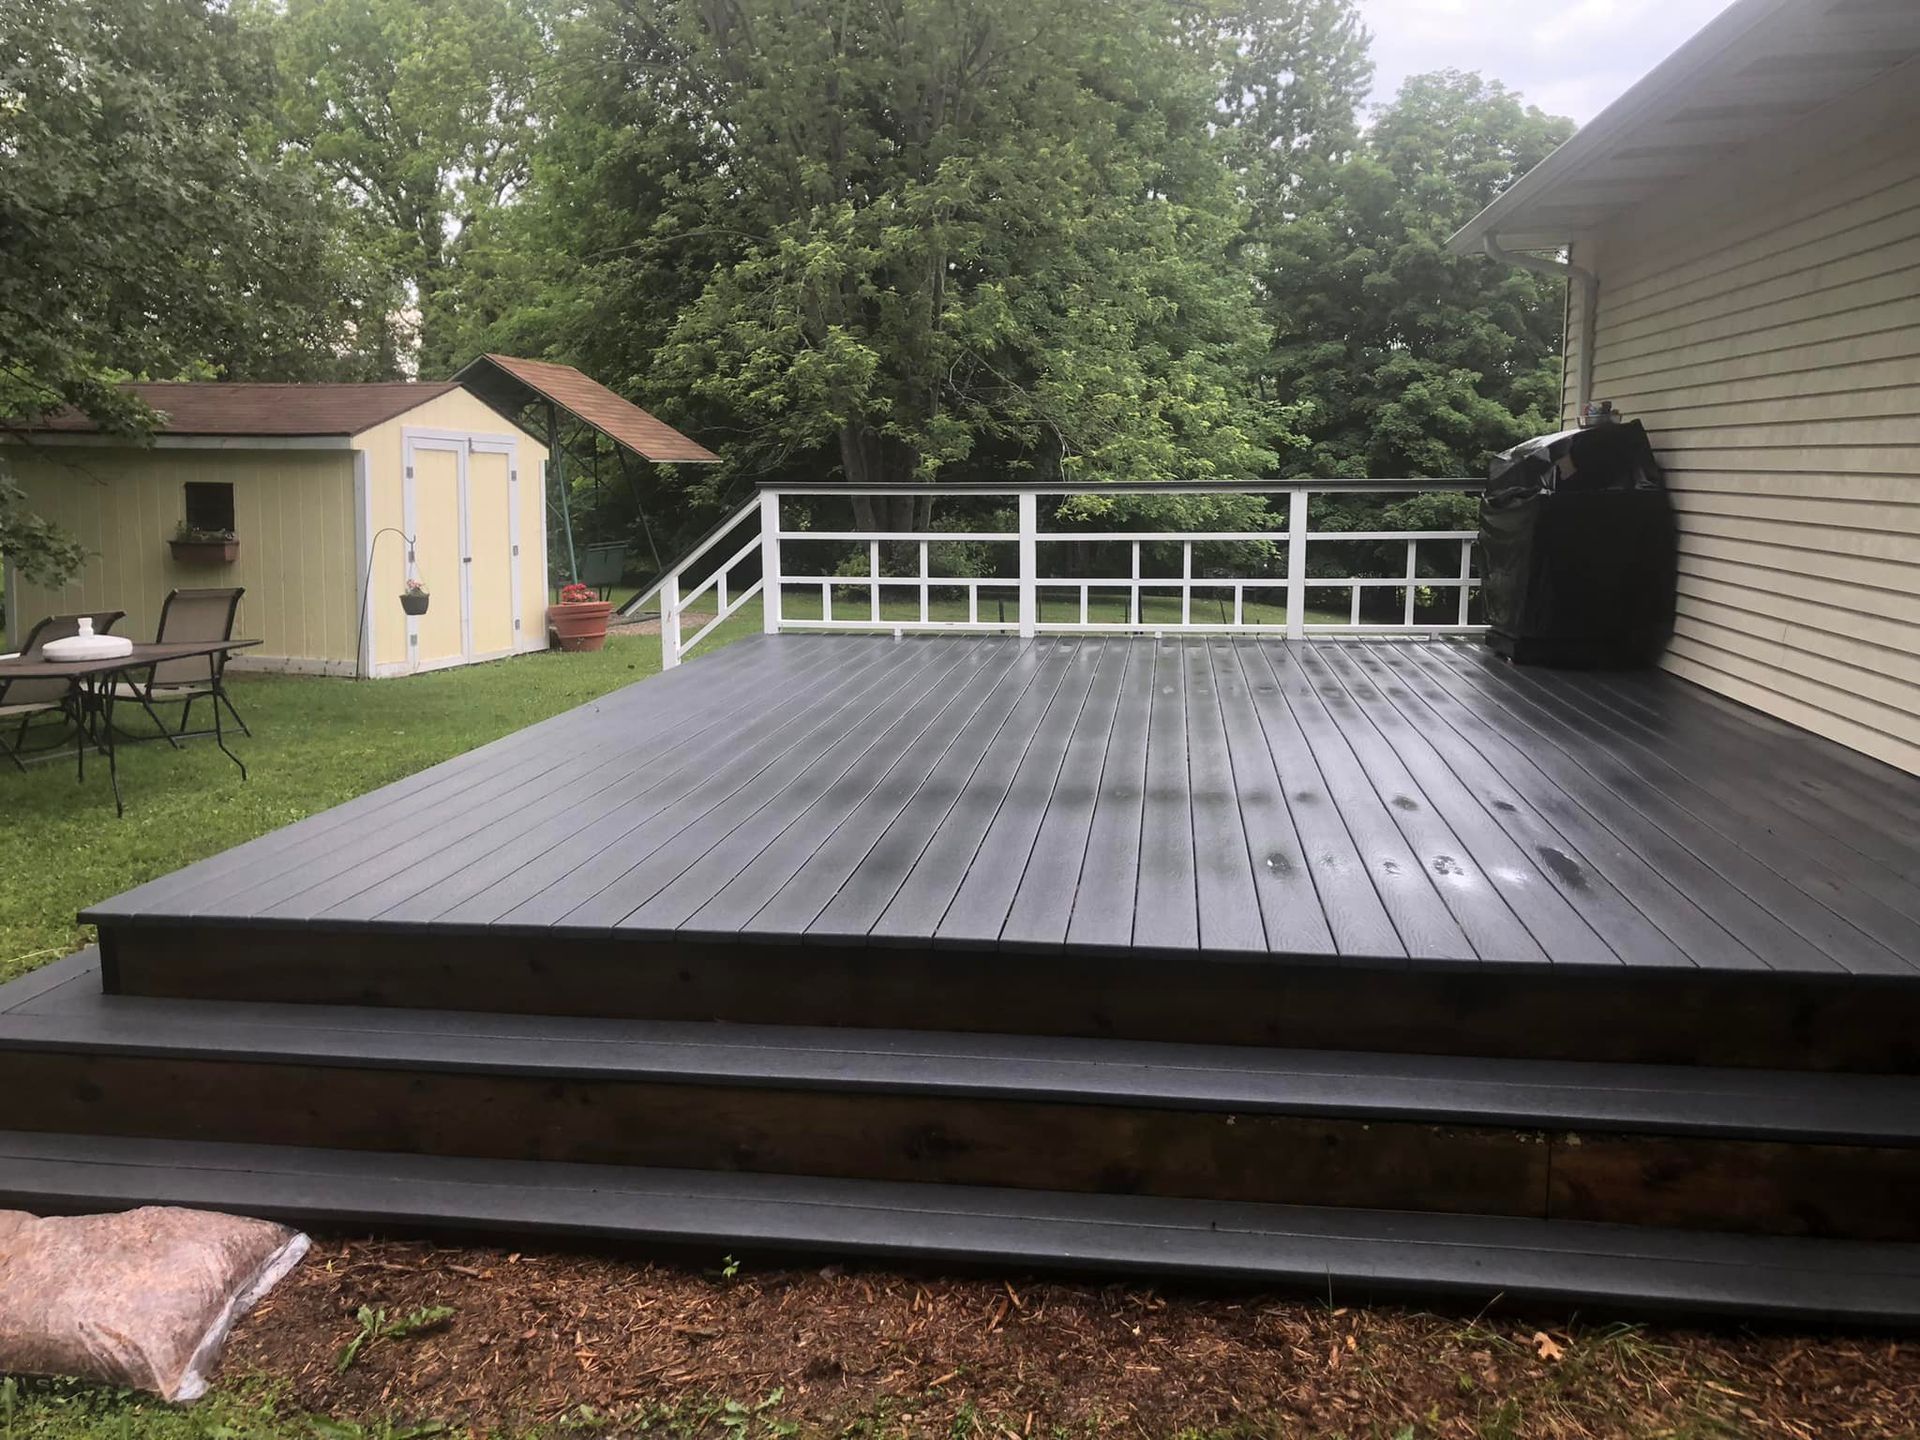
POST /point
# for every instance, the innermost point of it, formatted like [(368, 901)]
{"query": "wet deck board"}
[(1380, 800)]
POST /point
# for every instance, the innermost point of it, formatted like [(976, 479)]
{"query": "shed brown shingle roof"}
[(620, 420), (218, 407)]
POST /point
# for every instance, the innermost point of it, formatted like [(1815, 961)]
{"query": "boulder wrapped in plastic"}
[(144, 1298)]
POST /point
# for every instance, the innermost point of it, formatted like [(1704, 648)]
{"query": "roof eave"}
[(1506, 219)]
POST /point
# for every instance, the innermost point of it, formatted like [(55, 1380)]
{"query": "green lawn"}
[(316, 743)]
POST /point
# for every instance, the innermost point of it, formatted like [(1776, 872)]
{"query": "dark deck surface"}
[(1388, 801)]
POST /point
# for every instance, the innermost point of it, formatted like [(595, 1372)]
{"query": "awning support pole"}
[(558, 453)]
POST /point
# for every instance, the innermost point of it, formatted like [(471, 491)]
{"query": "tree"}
[(1412, 361), (422, 112), (1291, 77), (914, 238), (148, 225)]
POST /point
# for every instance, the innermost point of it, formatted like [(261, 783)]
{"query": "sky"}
[(1569, 57)]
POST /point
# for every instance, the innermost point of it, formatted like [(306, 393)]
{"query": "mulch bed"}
[(535, 1337)]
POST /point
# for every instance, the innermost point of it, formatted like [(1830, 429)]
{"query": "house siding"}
[(1765, 326)]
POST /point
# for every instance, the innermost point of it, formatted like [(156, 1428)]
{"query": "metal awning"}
[(513, 384), (1759, 69), (546, 390)]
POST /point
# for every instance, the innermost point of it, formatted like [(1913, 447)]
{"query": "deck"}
[(800, 825), (1295, 961)]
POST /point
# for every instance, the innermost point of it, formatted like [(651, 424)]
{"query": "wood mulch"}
[(576, 1341)]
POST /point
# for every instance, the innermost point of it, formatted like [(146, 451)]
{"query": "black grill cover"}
[(1577, 544)]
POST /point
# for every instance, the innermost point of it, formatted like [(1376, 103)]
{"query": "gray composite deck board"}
[(72, 1015), (1513, 840), (1044, 902), (1572, 842), (1342, 1251), (1746, 858), (1380, 801), (210, 885)]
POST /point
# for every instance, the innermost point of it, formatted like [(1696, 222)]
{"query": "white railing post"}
[(1466, 576), (670, 621), (1029, 562), (770, 586), (1297, 565)]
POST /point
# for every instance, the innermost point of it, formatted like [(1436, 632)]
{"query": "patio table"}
[(92, 686)]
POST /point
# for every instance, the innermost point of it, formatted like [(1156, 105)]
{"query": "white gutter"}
[(1589, 305)]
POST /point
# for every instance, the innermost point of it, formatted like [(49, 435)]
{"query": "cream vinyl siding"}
[(293, 512), (1765, 325)]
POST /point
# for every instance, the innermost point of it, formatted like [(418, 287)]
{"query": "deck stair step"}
[(1353, 1254), (69, 1014), (1809, 1154)]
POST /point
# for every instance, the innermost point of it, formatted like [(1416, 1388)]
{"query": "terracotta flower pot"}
[(205, 552), (580, 627)]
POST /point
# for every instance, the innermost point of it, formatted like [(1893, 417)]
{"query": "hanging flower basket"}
[(414, 598), (579, 621)]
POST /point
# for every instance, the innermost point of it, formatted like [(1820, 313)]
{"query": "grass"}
[(316, 743)]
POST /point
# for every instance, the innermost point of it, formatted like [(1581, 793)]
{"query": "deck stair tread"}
[(64, 1010), (1474, 1257)]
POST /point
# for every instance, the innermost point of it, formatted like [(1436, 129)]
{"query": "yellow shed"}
[(322, 485)]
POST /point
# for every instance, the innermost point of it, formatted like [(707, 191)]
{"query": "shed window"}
[(209, 505)]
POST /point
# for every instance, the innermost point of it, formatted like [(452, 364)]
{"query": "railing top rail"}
[(1134, 487), (700, 547)]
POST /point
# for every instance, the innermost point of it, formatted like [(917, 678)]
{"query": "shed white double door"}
[(462, 506)]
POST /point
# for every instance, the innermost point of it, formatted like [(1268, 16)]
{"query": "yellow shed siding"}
[(384, 449), (293, 511), (1766, 328)]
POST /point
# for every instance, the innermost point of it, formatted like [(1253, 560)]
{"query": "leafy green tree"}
[(149, 226), (1409, 360), (1291, 75), (423, 113), (913, 238)]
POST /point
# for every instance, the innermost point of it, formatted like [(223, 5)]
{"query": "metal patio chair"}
[(25, 701), (188, 615)]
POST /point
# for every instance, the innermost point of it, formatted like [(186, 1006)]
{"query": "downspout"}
[(1589, 305)]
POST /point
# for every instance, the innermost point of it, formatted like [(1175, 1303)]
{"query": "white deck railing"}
[(762, 523)]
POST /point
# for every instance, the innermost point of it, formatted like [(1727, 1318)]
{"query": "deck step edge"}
[(1470, 1258), (1806, 1107)]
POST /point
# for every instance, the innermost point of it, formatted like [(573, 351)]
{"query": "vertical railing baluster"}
[(1466, 578), (1354, 592), (873, 581), (925, 615), (670, 621), (1297, 564), (1239, 605), (1413, 569), (1083, 603), (826, 600), (1029, 511), (770, 581), (1133, 592), (1186, 582)]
